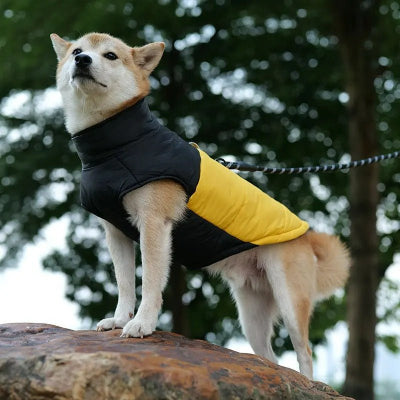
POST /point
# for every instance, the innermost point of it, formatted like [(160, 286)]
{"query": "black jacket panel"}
[(131, 149)]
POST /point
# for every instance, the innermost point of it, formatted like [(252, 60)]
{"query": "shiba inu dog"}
[(148, 185)]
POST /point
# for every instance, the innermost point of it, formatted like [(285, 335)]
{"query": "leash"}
[(242, 166)]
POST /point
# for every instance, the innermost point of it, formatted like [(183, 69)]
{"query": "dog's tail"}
[(333, 260)]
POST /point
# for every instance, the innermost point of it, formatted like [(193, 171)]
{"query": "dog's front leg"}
[(122, 254), (154, 208), (155, 245)]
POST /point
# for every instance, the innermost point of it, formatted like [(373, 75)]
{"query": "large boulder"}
[(39, 361)]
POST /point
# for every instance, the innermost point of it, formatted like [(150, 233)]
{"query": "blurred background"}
[(278, 83)]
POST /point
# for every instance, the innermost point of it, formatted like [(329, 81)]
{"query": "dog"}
[(274, 265)]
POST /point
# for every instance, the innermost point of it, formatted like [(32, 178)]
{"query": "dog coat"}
[(225, 213)]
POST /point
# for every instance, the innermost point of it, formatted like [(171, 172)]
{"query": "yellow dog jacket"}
[(241, 209), (226, 214)]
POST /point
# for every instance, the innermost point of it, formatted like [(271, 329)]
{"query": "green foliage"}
[(258, 81), (391, 342)]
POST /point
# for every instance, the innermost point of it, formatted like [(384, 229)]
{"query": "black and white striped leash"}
[(242, 166)]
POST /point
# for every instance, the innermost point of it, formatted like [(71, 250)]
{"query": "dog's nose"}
[(83, 60)]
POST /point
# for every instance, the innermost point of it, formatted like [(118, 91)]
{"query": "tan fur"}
[(285, 279), (303, 312), (327, 253), (333, 262), (315, 264), (86, 102), (281, 279), (97, 38), (153, 208), (165, 199)]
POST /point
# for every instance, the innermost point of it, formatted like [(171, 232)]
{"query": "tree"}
[(354, 23), (263, 83)]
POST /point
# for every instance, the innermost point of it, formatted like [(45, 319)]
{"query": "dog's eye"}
[(77, 51), (110, 55)]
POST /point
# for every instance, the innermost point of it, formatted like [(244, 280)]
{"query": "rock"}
[(39, 361)]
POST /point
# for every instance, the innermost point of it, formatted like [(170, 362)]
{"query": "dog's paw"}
[(107, 324), (139, 328)]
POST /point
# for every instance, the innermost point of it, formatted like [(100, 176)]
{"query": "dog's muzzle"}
[(83, 61), (82, 70)]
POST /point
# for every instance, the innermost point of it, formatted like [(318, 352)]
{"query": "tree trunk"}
[(354, 23), (177, 282), (177, 279)]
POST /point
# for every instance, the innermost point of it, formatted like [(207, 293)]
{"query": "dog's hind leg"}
[(291, 291), (257, 314), (122, 253)]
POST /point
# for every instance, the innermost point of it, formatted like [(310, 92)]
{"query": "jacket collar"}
[(99, 140)]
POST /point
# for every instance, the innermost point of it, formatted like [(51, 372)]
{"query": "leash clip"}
[(221, 161)]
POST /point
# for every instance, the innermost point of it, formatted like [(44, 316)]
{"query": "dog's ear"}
[(60, 45), (147, 57)]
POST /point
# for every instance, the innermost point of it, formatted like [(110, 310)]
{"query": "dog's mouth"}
[(87, 76)]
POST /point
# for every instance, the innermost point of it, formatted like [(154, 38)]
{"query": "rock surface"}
[(39, 361)]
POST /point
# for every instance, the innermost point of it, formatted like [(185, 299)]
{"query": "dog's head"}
[(99, 75)]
